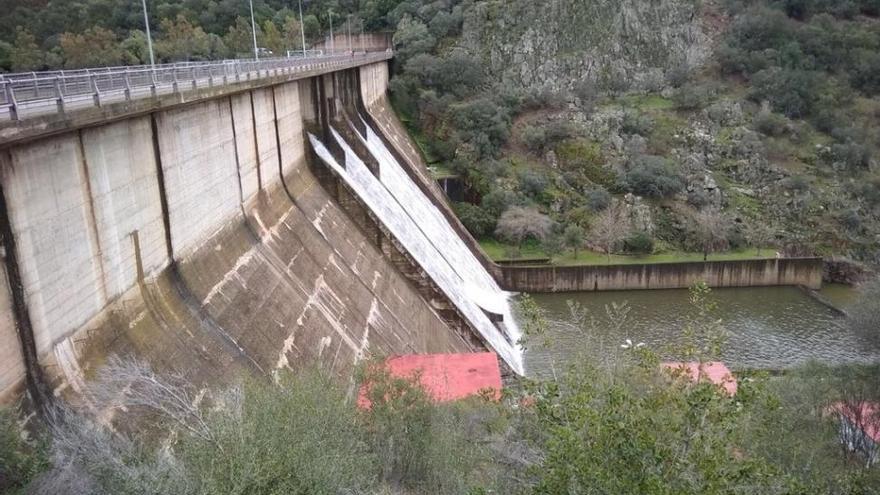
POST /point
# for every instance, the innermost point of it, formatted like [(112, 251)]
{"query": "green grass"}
[(530, 250), (649, 102)]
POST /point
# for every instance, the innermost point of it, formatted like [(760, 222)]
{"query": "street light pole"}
[(332, 43), (302, 27), (254, 31), (149, 37), (348, 28)]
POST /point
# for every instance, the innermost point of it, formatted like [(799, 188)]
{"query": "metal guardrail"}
[(59, 91)]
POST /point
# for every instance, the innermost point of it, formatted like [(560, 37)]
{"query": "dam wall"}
[(805, 272), (197, 238)]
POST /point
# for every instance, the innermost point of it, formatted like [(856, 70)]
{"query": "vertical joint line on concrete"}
[(163, 195), (93, 217), (235, 151), (34, 378), (277, 135), (256, 141)]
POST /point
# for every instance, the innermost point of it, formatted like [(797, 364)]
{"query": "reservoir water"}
[(768, 327)]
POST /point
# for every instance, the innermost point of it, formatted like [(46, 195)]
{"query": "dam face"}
[(206, 238)]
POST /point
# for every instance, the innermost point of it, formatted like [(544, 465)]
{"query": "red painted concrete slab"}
[(714, 371), (865, 416), (447, 377)]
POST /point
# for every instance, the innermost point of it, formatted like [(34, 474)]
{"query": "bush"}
[(534, 138), (653, 177), (790, 92), (770, 124), (533, 184), (585, 159), (477, 220), (639, 243), (693, 96), (21, 459), (851, 156), (635, 122), (597, 199)]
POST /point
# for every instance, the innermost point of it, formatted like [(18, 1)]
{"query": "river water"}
[(768, 327)]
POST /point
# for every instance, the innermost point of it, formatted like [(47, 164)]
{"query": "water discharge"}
[(427, 236)]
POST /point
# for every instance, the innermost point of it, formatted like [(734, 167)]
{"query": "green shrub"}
[(585, 158), (639, 243), (770, 124), (475, 219), (597, 199), (299, 437), (652, 177), (635, 122), (21, 459), (534, 137), (693, 96)]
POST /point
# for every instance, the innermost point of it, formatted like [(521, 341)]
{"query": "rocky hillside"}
[(696, 126), (628, 44)]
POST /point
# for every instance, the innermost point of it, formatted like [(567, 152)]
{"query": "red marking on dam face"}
[(446, 377), (716, 372)]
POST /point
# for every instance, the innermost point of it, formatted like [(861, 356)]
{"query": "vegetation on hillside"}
[(770, 142)]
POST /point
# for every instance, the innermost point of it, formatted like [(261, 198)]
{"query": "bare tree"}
[(711, 228), (610, 228), (759, 234), (518, 224)]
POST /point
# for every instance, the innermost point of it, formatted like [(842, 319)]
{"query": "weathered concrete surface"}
[(173, 237), (12, 371), (806, 272)]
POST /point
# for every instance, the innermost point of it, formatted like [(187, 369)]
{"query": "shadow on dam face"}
[(198, 238)]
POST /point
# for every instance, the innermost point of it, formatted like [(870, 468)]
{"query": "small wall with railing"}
[(805, 272)]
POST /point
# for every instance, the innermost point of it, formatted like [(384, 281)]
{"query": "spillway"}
[(429, 238)]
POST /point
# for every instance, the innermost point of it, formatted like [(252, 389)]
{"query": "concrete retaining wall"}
[(265, 272), (750, 273)]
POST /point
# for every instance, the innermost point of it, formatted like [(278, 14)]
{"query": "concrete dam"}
[(247, 226)]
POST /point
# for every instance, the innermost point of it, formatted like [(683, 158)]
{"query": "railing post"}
[(174, 88), (127, 85), (10, 100), (194, 84), (153, 92), (59, 95), (96, 95)]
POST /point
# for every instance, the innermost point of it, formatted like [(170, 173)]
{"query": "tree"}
[(239, 39), (273, 40), (182, 40), (291, 32), (653, 177), (610, 228), (95, 47), (26, 55), (412, 37), (573, 238), (759, 235), (711, 228), (518, 224)]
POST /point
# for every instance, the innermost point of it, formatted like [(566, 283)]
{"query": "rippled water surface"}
[(768, 327)]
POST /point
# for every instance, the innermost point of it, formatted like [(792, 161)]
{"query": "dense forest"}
[(37, 34)]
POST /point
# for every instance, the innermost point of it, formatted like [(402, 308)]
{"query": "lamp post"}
[(332, 43), (149, 37), (254, 31), (348, 28), (302, 27)]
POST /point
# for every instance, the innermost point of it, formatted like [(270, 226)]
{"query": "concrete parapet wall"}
[(748, 273)]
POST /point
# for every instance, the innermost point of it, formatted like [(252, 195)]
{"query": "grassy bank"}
[(499, 251)]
